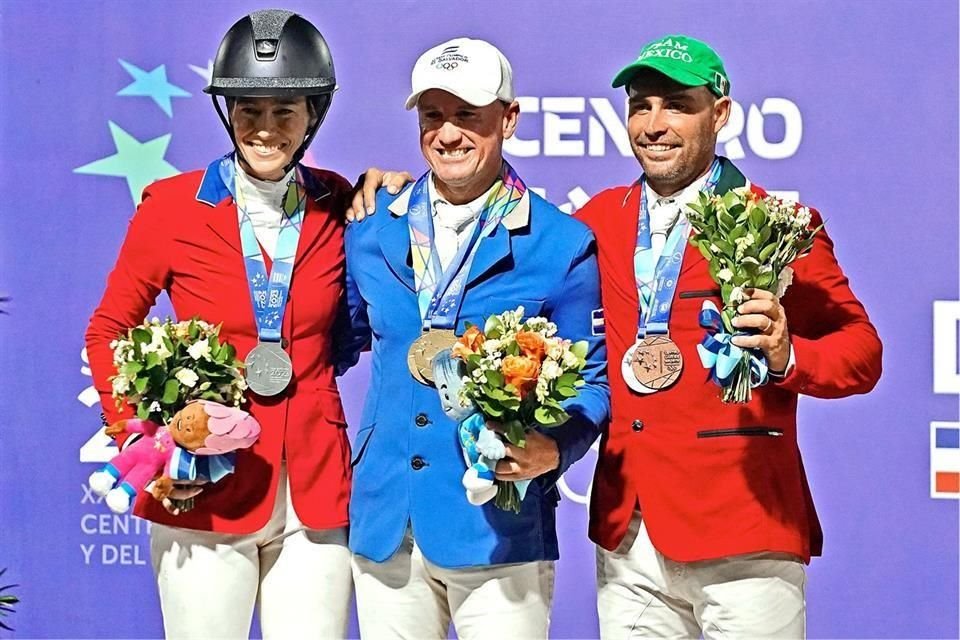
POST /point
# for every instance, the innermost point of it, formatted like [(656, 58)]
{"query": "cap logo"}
[(721, 84), (449, 59), (668, 48)]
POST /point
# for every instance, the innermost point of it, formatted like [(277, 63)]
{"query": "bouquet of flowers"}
[(518, 373), (749, 241), (163, 365)]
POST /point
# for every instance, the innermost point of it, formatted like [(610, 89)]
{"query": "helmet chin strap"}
[(321, 113), (226, 125), (319, 109)]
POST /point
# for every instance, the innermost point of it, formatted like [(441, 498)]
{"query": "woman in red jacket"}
[(272, 534)]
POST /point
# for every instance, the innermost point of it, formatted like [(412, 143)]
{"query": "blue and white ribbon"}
[(188, 466), (720, 356)]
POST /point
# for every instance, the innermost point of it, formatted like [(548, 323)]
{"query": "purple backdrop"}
[(852, 105)]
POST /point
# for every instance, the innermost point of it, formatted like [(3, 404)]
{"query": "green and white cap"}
[(683, 59)]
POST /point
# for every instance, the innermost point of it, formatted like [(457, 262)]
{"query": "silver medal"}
[(268, 369)]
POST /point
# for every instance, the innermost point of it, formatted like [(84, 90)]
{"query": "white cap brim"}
[(470, 95)]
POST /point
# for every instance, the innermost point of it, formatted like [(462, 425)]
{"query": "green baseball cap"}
[(683, 59)]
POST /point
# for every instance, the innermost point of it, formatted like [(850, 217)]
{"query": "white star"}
[(204, 72)]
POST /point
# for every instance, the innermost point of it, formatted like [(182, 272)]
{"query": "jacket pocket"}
[(702, 293), (763, 432)]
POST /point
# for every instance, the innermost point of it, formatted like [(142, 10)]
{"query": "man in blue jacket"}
[(438, 255)]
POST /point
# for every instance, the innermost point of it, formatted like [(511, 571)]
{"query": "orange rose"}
[(521, 372), (469, 343), (532, 344)]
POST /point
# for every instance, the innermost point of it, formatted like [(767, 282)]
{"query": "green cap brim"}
[(661, 66)]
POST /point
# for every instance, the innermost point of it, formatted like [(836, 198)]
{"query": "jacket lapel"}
[(730, 178), (492, 251), (222, 220), (496, 248), (319, 205), (394, 240)]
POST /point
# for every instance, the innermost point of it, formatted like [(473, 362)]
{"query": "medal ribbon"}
[(439, 292), (720, 356), (655, 304), (268, 293), (185, 465)]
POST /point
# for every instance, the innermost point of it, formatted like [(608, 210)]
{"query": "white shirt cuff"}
[(791, 363)]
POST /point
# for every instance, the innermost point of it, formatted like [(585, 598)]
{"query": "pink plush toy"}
[(202, 428)]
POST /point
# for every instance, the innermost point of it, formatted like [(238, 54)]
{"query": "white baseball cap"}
[(473, 70)]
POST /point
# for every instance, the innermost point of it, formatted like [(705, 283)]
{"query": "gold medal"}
[(422, 351)]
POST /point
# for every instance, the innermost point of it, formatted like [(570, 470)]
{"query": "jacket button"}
[(421, 420), (284, 343), (417, 463), (638, 425)]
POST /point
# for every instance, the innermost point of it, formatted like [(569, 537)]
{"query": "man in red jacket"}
[(701, 509), (727, 518)]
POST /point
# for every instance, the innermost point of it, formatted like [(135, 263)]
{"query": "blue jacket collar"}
[(213, 191)]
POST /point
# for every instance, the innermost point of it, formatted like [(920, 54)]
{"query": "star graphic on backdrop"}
[(204, 72), (139, 162), (152, 84)]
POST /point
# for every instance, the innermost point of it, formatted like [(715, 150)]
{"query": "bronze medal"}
[(656, 362), (422, 351)]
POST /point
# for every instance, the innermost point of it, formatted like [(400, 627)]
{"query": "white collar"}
[(516, 219), (475, 206), (684, 196), (262, 191)]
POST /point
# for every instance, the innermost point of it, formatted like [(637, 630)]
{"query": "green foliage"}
[(748, 241), (158, 375)]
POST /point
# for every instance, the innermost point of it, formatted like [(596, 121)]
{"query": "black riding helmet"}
[(274, 53)]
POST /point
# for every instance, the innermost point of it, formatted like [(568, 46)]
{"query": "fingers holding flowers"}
[(763, 312), (540, 455)]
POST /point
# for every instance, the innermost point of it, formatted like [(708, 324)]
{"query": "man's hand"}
[(764, 313), (364, 201), (540, 455)]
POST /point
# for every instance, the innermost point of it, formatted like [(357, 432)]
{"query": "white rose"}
[(187, 377), (569, 360), (550, 370), (199, 350), (554, 349)]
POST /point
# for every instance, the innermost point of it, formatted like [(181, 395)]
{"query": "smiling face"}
[(189, 426), (463, 143), (268, 131), (673, 129)]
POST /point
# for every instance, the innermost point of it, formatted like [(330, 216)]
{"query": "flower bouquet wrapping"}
[(517, 372), (163, 365), (750, 241)]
